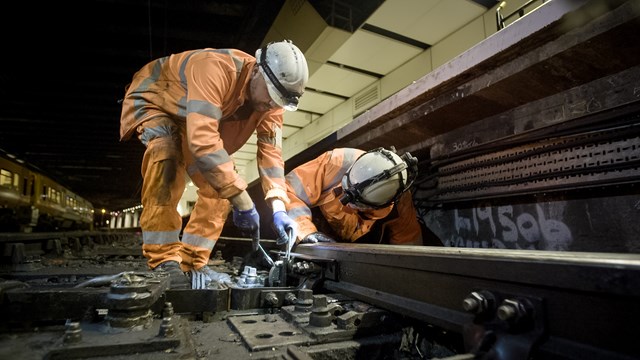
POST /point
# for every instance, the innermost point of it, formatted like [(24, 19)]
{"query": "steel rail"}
[(431, 284)]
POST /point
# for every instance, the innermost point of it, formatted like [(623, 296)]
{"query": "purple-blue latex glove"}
[(248, 221), (284, 225)]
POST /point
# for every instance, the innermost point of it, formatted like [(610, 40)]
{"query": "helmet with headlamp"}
[(285, 72), (378, 178)]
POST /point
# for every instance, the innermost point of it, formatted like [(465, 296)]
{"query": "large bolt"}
[(304, 301), (72, 332), (320, 316), (475, 303), (290, 298), (304, 267), (271, 299), (167, 311), (507, 312), (512, 311), (166, 328)]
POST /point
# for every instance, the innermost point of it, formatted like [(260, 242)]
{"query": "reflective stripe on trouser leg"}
[(163, 185), (157, 251), (195, 251), (205, 224)]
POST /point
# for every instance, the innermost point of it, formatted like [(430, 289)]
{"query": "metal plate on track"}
[(261, 332)]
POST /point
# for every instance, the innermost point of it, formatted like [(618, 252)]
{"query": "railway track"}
[(29, 251)]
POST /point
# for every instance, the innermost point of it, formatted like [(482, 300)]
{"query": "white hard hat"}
[(285, 72), (378, 178)]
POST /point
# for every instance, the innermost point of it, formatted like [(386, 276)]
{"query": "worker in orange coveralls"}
[(355, 192), (192, 110)]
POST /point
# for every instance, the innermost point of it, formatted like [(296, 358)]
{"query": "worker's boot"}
[(178, 279)]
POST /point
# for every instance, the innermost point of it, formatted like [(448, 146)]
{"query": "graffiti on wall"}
[(529, 226)]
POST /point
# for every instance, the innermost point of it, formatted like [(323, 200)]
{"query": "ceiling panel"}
[(340, 80), (400, 16), (244, 155), (298, 118), (426, 21), (249, 148), (318, 103), (374, 53), (288, 131)]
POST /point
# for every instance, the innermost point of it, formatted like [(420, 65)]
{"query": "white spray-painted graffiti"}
[(508, 228)]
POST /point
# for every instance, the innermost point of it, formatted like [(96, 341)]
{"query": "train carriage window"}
[(6, 178), (16, 181), (25, 186)]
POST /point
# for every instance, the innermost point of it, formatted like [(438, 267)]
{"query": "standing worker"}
[(192, 110), (357, 196)]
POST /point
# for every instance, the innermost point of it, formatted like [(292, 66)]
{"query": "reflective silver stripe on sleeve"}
[(298, 187), (267, 140), (210, 161), (150, 133), (299, 211), (221, 51), (198, 241), (140, 104), (183, 66), (204, 108), (160, 237), (182, 108), (237, 62), (272, 172)]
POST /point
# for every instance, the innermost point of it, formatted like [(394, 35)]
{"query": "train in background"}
[(31, 201)]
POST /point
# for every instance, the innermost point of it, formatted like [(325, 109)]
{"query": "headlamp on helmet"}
[(377, 178)]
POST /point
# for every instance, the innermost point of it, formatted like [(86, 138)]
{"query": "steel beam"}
[(582, 300)]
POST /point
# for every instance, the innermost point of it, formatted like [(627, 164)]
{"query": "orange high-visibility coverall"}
[(189, 110), (312, 185)]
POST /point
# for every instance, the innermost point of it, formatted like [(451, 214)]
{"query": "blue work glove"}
[(316, 237), (284, 225), (248, 221)]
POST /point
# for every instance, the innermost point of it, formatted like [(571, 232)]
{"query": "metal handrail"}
[(500, 20)]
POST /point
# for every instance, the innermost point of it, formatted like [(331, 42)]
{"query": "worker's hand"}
[(284, 226), (248, 221), (316, 237)]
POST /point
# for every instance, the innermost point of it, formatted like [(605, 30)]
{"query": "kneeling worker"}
[(356, 196)]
